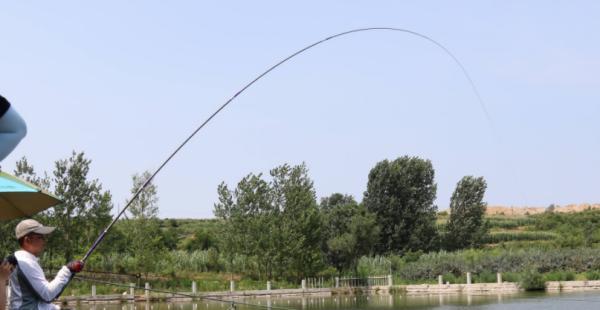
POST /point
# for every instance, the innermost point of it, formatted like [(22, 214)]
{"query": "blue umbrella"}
[(19, 198)]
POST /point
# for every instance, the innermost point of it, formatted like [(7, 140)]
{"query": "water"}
[(571, 301)]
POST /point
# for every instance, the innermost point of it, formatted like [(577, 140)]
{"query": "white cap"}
[(31, 226)]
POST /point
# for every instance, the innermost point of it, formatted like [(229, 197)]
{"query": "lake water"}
[(570, 301)]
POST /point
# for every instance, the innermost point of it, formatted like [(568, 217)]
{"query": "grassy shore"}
[(555, 246)]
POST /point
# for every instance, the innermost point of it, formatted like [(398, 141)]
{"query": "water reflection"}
[(572, 301)]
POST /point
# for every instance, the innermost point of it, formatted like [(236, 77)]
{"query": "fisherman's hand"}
[(6, 269), (11, 259), (75, 266)]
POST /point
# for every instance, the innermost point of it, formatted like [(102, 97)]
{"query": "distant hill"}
[(522, 211)]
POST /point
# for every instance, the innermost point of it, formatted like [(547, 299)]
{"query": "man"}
[(29, 287), (12, 128)]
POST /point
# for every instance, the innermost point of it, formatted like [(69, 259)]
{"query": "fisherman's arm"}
[(47, 291)]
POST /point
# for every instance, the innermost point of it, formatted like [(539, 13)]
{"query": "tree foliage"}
[(275, 221), (401, 194), (349, 231), (85, 209), (466, 226), (145, 235)]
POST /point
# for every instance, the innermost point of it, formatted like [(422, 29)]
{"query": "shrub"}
[(485, 277), (559, 276), (510, 223), (532, 280), (453, 279), (593, 275), (371, 266), (498, 237), (511, 277)]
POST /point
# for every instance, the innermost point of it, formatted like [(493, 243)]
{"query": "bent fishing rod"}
[(260, 76)]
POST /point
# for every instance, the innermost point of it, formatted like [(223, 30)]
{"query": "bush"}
[(373, 266), (498, 237), (510, 223), (453, 279), (593, 275), (485, 277), (430, 265), (511, 277), (532, 280), (559, 276), (397, 262)]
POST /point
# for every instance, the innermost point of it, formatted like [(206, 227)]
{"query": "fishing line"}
[(181, 294), (147, 182)]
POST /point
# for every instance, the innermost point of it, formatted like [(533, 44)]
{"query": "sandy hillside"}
[(520, 211)]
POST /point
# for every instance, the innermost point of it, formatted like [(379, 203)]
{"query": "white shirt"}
[(46, 291)]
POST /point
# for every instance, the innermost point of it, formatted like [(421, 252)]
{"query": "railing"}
[(364, 282), (317, 283)]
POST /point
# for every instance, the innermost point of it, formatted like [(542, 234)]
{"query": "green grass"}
[(504, 236), (510, 223)]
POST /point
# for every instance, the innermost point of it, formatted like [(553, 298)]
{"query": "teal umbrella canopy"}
[(19, 198)]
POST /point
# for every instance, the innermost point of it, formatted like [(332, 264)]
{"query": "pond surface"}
[(570, 301)]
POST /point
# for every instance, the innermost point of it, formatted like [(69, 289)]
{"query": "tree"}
[(300, 236), (26, 171), (8, 244), (401, 193), (249, 216), (466, 226), (275, 221), (146, 243), (85, 209), (349, 230)]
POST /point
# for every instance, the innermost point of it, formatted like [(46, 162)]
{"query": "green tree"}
[(8, 243), (249, 216), (170, 233), (349, 230), (300, 225), (145, 234), (26, 171), (276, 222), (85, 209), (201, 239), (401, 194), (466, 226)]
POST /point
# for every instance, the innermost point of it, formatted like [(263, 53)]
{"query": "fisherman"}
[(12, 128), (29, 287)]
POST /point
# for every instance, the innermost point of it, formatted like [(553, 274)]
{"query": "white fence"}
[(365, 282)]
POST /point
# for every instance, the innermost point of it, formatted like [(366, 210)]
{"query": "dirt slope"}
[(521, 211)]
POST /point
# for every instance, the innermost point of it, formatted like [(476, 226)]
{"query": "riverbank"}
[(413, 290)]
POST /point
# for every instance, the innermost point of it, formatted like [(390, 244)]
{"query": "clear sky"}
[(127, 81)]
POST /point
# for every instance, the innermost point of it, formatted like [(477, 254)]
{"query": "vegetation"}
[(351, 231), (276, 222), (532, 280), (401, 193), (466, 226), (272, 228)]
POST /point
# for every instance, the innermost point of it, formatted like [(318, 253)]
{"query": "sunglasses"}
[(37, 237)]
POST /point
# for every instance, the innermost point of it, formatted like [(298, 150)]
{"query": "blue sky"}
[(127, 81)]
